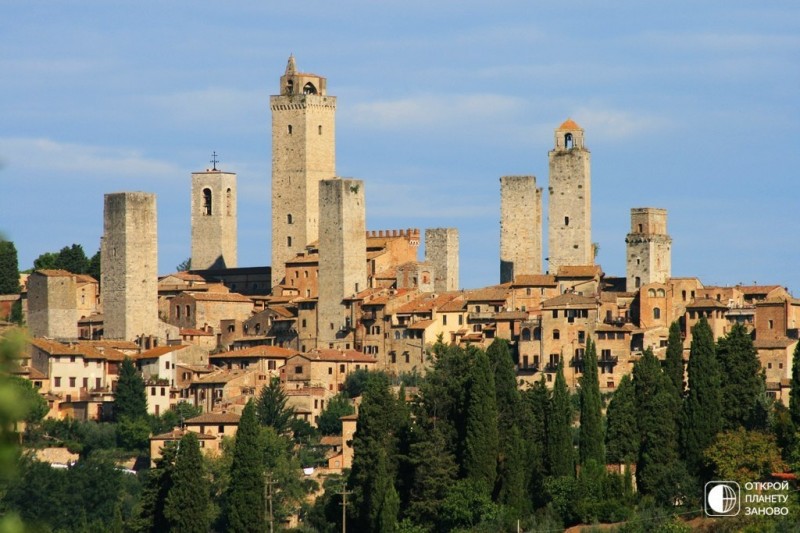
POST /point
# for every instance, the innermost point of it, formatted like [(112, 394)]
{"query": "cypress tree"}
[(673, 363), (702, 409), (591, 431), (245, 496), (130, 399), (536, 404), (434, 472), (560, 452), (9, 268), (794, 390), (271, 407), (188, 504), (158, 482), (743, 386), (622, 429), (481, 445)]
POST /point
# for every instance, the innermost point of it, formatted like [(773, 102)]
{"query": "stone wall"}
[(649, 257), (214, 220), (52, 305), (441, 251), (520, 227)]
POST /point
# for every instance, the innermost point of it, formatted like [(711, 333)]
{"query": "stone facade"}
[(649, 248), (214, 243), (441, 251), (303, 154), (129, 278), (570, 209), (52, 304), (520, 227), (342, 255)]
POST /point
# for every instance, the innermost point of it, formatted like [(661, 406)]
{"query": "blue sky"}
[(690, 106)]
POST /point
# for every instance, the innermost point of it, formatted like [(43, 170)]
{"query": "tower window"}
[(290, 87), (638, 282), (641, 228), (288, 241), (309, 88), (206, 201), (566, 221), (228, 205), (289, 219), (319, 129), (656, 313), (568, 140), (289, 129)]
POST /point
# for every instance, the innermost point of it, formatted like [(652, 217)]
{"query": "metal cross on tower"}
[(214, 160)]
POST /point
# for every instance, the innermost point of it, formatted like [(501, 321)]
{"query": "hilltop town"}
[(341, 298)]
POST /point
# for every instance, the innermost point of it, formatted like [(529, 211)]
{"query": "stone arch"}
[(568, 141), (526, 334), (207, 201), (309, 88)]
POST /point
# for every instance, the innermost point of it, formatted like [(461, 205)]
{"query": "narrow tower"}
[(648, 246), (129, 270), (303, 153), (570, 210), (213, 219), (441, 250), (342, 256), (520, 227)]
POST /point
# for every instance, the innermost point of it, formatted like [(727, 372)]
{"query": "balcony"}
[(368, 315), (551, 367), (608, 360)]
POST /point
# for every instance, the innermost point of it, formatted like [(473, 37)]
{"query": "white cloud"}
[(614, 125), (213, 107)]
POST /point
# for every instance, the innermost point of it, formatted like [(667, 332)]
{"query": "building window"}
[(319, 129), (289, 129), (57, 381), (330, 370), (537, 333), (568, 141), (460, 320), (228, 203), (651, 293), (288, 241), (206, 201), (526, 334), (341, 368), (566, 221), (298, 370), (638, 282), (556, 334), (289, 219), (444, 320), (770, 324), (188, 311), (656, 313), (72, 382)]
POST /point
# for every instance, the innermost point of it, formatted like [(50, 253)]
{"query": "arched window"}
[(651, 292), (526, 334), (290, 87), (638, 282), (206, 201), (656, 313), (289, 219), (661, 293), (556, 335), (289, 129), (228, 206), (319, 129), (288, 241), (568, 140), (537, 334), (188, 311), (309, 88)]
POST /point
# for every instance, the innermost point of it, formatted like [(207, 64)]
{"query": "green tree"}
[(185, 265), (9, 268), (673, 363), (329, 419), (16, 316), (271, 407), (95, 267), (245, 497), (188, 503), (481, 446), (46, 261), (37, 407), (794, 388), (622, 429), (130, 398), (743, 388), (434, 472), (73, 259), (702, 408), (536, 404), (591, 432), (356, 382), (560, 452), (741, 455)]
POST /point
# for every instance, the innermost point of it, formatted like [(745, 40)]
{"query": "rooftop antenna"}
[(214, 160)]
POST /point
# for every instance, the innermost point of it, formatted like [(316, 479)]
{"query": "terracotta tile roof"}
[(196, 332), (214, 418), (773, 301), (56, 455), (219, 297), (273, 352), (200, 369), (331, 440), (498, 293), (579, 271), (569, 124), (349, 417), (223, 376), (511, 315), (427, 302), (534, 280), (116, 344), (304, 259), (757, 289), (158, 351), (177, 433), (422, 324), (306, 391), (84, 278), (184, 276), (54, 273), (86, 349), (773, 343), (387, 273), (343, 356), (456, 305), (705, 303), (52, 347), (282, 312), (569, 300)]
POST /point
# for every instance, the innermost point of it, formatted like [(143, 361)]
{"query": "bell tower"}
[(570, 209), (303, 154)]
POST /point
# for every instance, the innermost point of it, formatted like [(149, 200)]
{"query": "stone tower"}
[(520, 227), (570, 210), (648, 246), (342, 256), (213, 219), (52, 305), (303, 154), (129, 270), (441, 251)]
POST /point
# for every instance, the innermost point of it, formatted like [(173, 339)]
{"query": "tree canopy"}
[(9, 268)]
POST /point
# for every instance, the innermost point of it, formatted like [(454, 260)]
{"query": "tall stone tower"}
[(129, 271), (342, 255), (213, 219), (303, 154), (52, 305), (649, 248), (570, 210), (441, 250), (520, 227)]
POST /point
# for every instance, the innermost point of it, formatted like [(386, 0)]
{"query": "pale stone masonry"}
[(648, 246), (52, 305), (342, 256), (520, 227), (441, 251), (303, 154), (129, 275), (570, 208), (214, 240)]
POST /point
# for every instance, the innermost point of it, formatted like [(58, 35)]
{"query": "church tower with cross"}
[(570, 204), (214, 241), (303, 154)]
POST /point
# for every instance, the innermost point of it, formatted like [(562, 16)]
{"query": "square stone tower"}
[(520, 227), (570, 210), (441, 251), (129, 272), (214, 241), (303, 154), (342, 256), (649, 248), (53, 305)]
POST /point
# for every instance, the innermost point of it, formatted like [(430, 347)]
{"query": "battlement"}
[(410, 233)]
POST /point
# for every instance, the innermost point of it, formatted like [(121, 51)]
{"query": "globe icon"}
[(722, 499)]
